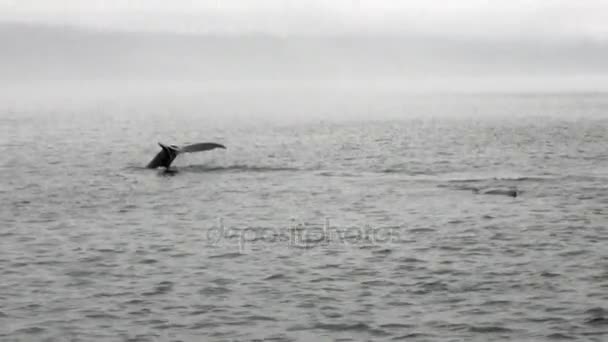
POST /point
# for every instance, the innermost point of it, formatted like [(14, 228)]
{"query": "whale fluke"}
[(168, 153), (200, 147)]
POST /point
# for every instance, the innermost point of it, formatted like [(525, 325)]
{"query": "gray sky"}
[(547, 19), (479, 44)]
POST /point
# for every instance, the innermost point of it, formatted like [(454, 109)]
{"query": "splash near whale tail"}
[(168, 153)]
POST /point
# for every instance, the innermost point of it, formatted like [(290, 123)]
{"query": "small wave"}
[(275, 276), (214, 290), (204, 325), (399, 304), (559, 336), (411, 260), (504, 179), (408, 172), (384, 251), (226, 255), (30, 330), (134, 167), (496, 303), (79, 273), (322, 279), (109, 295), (468, 180), (443, 325), (327, 266), (397, 326), (377, 283), (525, 179), (489, 329), (222, 281), (421, 230), (237, 168), (412, 336), (597, 311), (165, 326), (260, 318), (597, 321), (337, 174), (349, 327), (162, 288), (548, 274), (100, 315), (597, 316)]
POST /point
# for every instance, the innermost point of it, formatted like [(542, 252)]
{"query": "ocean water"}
[(344, 218)]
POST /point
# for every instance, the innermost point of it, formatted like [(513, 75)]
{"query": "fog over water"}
[(413, 46)]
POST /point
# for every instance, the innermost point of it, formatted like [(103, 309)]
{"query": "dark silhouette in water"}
[(168, 153), (511, 193)]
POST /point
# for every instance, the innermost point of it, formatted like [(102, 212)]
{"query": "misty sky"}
[(546, 19), (450, 44)]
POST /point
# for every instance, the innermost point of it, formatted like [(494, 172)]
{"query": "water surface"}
[(364, 225)]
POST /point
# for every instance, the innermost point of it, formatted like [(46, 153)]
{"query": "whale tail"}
[(200, 147), (168, 153)]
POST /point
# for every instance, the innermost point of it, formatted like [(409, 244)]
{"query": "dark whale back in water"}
[(168, 153)]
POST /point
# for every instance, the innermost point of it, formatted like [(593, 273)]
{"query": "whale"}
[(168, 153), (504, 192)]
